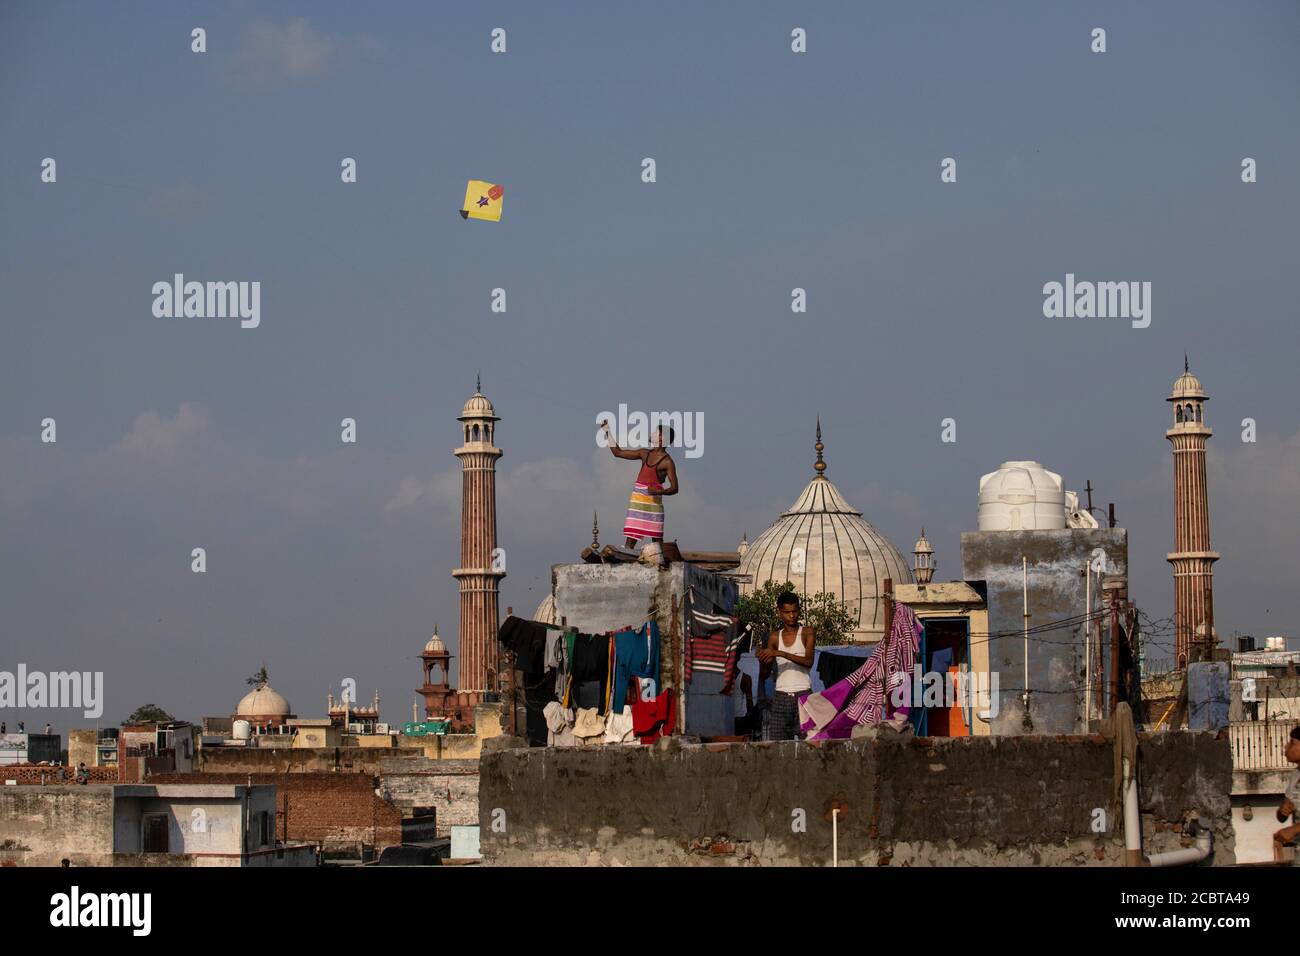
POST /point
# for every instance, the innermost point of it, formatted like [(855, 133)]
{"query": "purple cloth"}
[(862, 698)]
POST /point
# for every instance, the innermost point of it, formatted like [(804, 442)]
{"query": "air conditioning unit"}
[(381, 729)]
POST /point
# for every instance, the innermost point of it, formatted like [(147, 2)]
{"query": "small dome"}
[(435, 645), (1187, 385), (478, 406), (922, 546), (545, 613), (262, 702)]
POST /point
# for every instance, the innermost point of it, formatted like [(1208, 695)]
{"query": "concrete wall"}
[(1057, 591), (39, 826), (82, 747), (246, 760), (198, 821), (339, 811), (978, 801), (449, 786)]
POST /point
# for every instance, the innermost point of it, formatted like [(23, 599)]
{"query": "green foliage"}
[(830, 619), (258, 679), (150, 713)]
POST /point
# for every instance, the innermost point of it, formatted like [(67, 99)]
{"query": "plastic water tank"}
[(1021, 496), (242, 729)]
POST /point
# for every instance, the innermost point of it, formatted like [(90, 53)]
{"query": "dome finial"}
[(478, 382), (595, 544), (819, 466), (1185, 368)]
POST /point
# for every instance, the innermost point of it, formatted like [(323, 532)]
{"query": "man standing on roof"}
[(645, 510)]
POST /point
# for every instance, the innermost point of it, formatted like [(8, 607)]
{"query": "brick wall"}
[(449, 786), (337, 811), (31, 773)]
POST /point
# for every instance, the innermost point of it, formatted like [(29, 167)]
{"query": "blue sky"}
[(775, 171)]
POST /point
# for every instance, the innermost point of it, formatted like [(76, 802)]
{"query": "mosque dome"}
[(1187, 385), (262, 702), (545, 613), (822, 543), (435, 645), (478, 406)]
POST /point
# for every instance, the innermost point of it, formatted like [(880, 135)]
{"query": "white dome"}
[(842, 555), (1021, 496), (435, 645), (263, 702), (545, 613)]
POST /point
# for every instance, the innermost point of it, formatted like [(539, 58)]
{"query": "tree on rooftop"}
[(830, 619), (259, 679), (150, 713)]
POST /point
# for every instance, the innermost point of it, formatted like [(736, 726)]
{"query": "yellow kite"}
[(482, 201)]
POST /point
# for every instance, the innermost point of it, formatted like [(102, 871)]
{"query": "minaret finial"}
[(595, 544), (1185, 368), (478, 382), (819, 466)]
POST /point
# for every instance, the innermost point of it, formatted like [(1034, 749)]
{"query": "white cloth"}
[(618, 727), (589, 724), (559, 725)]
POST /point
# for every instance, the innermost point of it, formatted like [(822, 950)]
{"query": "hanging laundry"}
[(652, 719), (589, 677), (559, 725), (863, 697), (618, 727), (558, 657), (536, 698), (715, 641), (589, 726), (633, 653), (833, 668), (527, 639)]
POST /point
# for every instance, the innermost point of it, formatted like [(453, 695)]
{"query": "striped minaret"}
[(481, 566), (1192, 558)]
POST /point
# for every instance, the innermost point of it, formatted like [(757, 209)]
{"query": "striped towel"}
[(714, 644), (645, 513)]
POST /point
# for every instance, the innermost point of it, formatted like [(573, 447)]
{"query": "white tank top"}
[(791, 678)]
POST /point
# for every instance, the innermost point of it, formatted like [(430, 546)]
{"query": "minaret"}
[(481, 568), (1192, 558), (923, 564)]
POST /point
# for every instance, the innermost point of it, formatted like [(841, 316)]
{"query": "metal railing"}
[(1259, 745)]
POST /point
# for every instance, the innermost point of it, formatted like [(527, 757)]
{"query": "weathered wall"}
[(449, 786), (39, 826), (1057, 591), (339, 811), (1024, 800), (255, 760)]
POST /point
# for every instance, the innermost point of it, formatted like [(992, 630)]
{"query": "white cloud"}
[(293, 52)]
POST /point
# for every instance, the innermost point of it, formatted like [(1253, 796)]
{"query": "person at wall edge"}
[(790, 650), (1292, 797)]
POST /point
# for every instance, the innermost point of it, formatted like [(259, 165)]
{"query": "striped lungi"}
[(645, 513)]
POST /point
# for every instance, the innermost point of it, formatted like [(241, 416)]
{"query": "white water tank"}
[(242, 729), (1021, 496)]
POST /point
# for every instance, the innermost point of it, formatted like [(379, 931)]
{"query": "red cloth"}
[(652, 719)]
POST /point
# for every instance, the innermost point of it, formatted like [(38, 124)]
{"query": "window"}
[(154, 837)]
